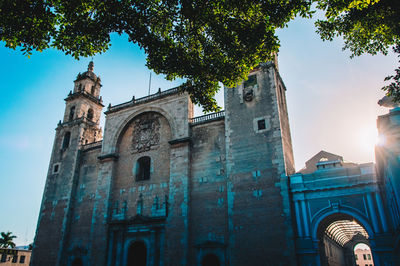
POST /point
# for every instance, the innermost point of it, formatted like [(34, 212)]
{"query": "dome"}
[(88, 74)]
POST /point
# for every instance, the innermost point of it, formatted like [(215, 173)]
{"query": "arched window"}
[(67, 137), (71, 113), (92, 90), (210, 260), (143, 168), (137, 254), (90, 114)]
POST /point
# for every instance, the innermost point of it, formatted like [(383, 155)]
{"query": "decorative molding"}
[(179, 141), (107, 157), (146, 133)]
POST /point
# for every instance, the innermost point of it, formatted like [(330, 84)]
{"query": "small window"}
[(356, 256), (22, 259), (92, 90), (369, 256), (56, 168), (365, 257), (71, 113), (143, 168), (67, 137), (3, 257), (90, 114), (261, 124), (15, 259)]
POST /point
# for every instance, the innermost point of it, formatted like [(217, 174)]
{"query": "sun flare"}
[(368, 138)]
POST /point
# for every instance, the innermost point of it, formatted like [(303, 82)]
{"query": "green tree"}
[(6, 240), (367, 26), (204, 42)]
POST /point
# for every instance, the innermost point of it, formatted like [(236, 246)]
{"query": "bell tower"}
[(84, 104), (80, 126), (258, 159)]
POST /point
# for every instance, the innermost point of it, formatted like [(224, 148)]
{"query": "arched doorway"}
[(210, 260), (137, 254), (77, 262), (338, 235)]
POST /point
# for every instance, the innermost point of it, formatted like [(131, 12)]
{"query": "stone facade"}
[(165, 188), (178, 190)]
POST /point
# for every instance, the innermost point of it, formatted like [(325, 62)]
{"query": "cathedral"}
[(161, 187)]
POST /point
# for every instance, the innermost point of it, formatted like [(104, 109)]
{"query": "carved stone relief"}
[(248, 88), (146, 133)]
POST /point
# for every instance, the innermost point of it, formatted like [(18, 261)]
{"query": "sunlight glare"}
[(368, 138)]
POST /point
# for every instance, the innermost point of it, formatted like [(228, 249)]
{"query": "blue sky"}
[(331, 103)]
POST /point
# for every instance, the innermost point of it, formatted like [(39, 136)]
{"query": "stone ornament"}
[(388, 102), (248, 88), (146, 133)]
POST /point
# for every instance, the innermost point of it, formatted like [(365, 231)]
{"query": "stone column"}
[(177, 230), (298, 218), (101, 210), (305, 218), (372, 212), (381, 211)]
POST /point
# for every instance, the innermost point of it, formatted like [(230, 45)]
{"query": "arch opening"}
[(90, 114), (210, 260), (338, 235), (71, 113), (67, 137), (137, 254)]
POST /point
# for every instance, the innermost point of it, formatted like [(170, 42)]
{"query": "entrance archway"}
[(137, 254), (338, 234), (210, 260)]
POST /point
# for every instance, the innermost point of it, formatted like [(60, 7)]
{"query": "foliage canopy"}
[(367, 26), (204, 42)]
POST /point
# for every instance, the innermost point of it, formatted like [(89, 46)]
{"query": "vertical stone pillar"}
[(298, 218), (177, 231), (372, 213), (305, 218), (381, 211), (101, 210)]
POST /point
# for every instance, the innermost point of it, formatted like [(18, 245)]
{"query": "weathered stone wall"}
[(118, 193), (216, 187), (208, 205), (259, 216), (50, 235), (128, 191), (79, 234)]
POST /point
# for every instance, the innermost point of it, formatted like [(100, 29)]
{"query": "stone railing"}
[(207, 118), (92, 145), (158, 95)]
